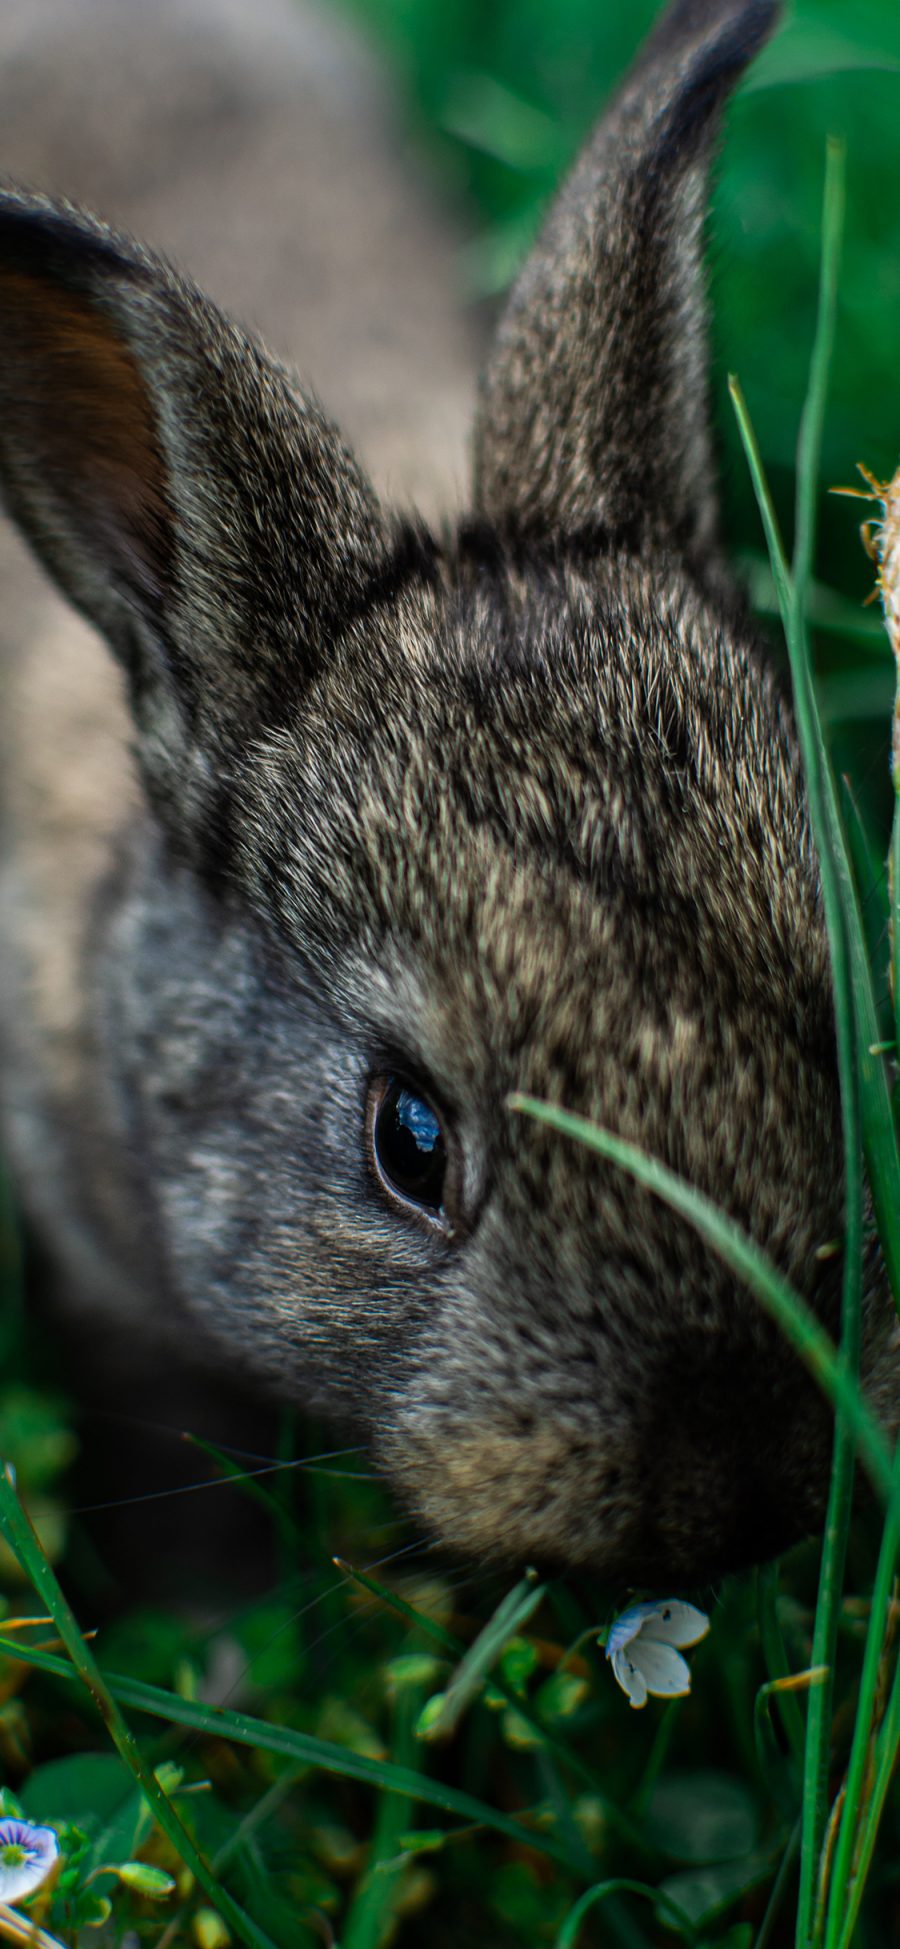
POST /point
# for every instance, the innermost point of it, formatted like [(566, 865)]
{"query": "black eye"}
[(408, 1145)]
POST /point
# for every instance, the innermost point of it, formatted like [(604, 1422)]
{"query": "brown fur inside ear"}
[(80, 430)]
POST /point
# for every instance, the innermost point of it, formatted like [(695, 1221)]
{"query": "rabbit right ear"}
[(593, 418)]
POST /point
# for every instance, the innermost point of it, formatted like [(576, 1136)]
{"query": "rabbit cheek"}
[(494, 1490)]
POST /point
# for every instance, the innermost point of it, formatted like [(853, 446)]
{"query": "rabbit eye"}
[(407, 1145)]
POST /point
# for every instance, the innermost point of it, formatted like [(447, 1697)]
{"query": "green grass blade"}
[(776, 1658), (245, 1479), (616, 1820), (886, 1751), (779, 1890), (21, 1539), (809, 445), (23, 1930), (810, 1915), (894, 881), (876, 1638), (394, 1602), (826, 827), (568, 1935), (517, 1607), (369, 1921), (879, 1138), (795, 1318), (221, 1723), (864, 1089), (870, 879), (768, 1756), (879, 1126)]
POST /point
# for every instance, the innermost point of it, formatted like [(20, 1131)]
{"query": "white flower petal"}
[(665, 1672), (630, 1678), (675, 1623)]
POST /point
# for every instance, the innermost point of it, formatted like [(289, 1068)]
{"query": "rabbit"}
[(413, 814)]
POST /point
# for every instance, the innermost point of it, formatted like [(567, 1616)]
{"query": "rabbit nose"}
[(739, 1464)]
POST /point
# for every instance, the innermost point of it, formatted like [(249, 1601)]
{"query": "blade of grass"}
[(879, 1138), (887, 570), (568, 1935), (19, 1534), (870, 880), (509, 1617), (795, 1318), (780, 1777), (829, 612), (886, 1750), (219, 1723), (826, 828), (613, 1815), (245, 1479), (842, 1870), (879, 1126), (394, 1602), (256, 1817), (670, 1720), (779, 1890), (22, 1929), (369, 1921), (863, 1078), (776, 1658), (894, 883), (799, 1324)]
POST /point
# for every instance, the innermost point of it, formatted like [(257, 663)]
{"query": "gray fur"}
[(516, 805)]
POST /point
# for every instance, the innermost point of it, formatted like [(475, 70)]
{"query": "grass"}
[(412, 1749)]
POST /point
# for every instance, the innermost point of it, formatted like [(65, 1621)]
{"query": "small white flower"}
[(645, 1646), (27, 1855)]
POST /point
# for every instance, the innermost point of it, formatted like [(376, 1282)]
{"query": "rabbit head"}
[(433, 819)]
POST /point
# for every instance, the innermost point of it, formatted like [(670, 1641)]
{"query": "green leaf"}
[(124, 1833), (89, 1788)]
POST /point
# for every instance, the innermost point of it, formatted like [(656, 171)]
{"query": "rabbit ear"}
[(185, 495), (593, 416)]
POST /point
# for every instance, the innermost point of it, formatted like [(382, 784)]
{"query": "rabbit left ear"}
[(593, 418), (192, 501)]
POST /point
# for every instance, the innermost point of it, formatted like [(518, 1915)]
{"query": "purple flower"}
[(27, 1855)]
